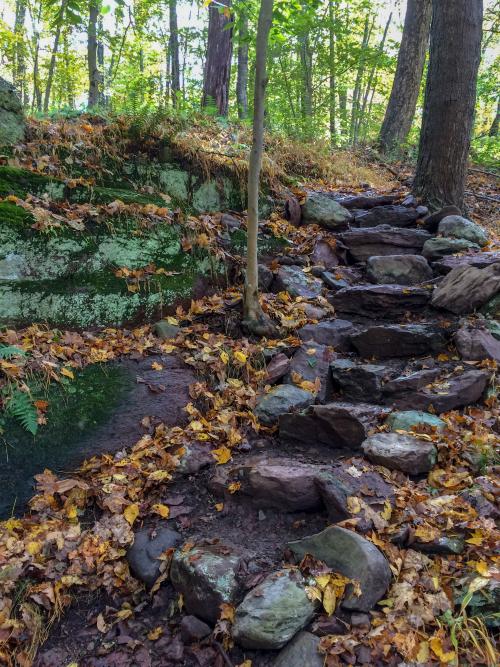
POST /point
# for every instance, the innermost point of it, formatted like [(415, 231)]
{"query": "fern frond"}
[(21, 407), (8, 351)]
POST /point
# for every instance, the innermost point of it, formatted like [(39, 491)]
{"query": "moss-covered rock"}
[(11, 115), (22, 182)]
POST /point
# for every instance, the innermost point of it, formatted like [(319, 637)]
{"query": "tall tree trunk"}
[(359, 76), (218, 62), (19, 73), (455, 52), (306, 70), (254, 317), (175, 72), (406, 86), (94, 75), (344, 119), (242, 82), (496, 121), (333, 67), (55, 48)]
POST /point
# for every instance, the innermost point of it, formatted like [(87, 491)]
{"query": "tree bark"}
[(333, 66), (19, 73), (455, 53), (94, 74), (406, 85), (242, 82), (252, 310), (306, 69), (218, 61), (359, 76), (496, 121), (175, 71), (55, 48)]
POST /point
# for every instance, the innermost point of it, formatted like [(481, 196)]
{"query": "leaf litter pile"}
[(73, 541)]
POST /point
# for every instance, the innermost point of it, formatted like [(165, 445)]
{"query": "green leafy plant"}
[(20, 406), (9, 351)]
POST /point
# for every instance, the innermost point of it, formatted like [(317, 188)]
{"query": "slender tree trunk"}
[(68, 86), (344, 120), (406, 86), (19, 73), (94, 75), (218, 62), (55, 48), (37, 91), (333, 66), (306, 69), (174, 53), (359, 76), (253, 313), (496, 121), (455, 52), (242, 82)]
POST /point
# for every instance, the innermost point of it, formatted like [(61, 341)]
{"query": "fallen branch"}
[(483, 171), (474, 194)]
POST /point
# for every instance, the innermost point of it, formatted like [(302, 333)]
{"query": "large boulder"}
[(206, 576), (408, 420), (322, 210), (273, 612), (431, 223), (143, 556), (393, 215), (386, 301), (353, 556), (476, 342), (398, 269), (302, 651), (399, 340), (334, 333), (11, 115), (281, 399), (383, 240), (400, 452), (456, 226), (360, 381), (466, 289), (440, 246), (336, 425)]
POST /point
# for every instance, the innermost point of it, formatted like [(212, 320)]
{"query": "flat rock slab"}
[(353, 556), (365, 201), (311, 362), (398, 269), (148, 546), (293, 280), (409, 420), (455, 226), (322, 210), (273, 612), (466, 289), (206, 576), (361, 381), (399, 340), (334, 333), (380, 301), (336, 425), (383, 240), (324, 254), (436, 248), (282, 399), (479, 260), (302, 651), (400, 452), (476, 342), (271, 482), (393, 215), (354, 491), (411, 382)]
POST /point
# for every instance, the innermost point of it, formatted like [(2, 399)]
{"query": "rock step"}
[(383, 240), (380, 301)]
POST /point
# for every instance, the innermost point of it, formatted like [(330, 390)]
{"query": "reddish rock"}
[(475, 342), (277, 368), (324, 254), (380, 301)]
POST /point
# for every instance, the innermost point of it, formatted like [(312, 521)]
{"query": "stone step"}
[(399, 340), (398, 269), (383, 240), (394, 215), (380, 301), (479, 260)]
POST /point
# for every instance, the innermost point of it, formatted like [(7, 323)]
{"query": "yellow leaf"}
[(71, 512), (387, 511), (482, 568), (155, 634), (227, 612), (162, 510), (329, 599), (423, 653), (353, 505), (219, 507), (159, 476), (225, 357), (322, 580), (72, 664), (221, 455), (196, 426), (234, 486), (124, 613), (33, 548), (172, 320), (476, 539), (156, 366), (239, 356), (131, 513), (69, 374), (246, 663), (437, 649)]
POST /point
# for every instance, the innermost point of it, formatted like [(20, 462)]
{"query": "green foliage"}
[(20, 406), (9, 351)]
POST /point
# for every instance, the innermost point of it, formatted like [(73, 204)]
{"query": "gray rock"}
[(293, 280), (399, 340), (332, 282), (206, 578), (446, 545), (11, 115), (437, 248), (336, 425), (383, 240), (393, 215), (365, 202), (271, 482), (456, 226), (302, 651), (325, 211), (230, 221), (192, 629), (312, 362), (273, 612), (494, 328), (281, 399), (492, 308), (166, 331), (410, 382), (466, 289), (400, 452), (411, 419), (324, 255), (476, 342), (360, 381), (480, 260), (353, 556), (313, 312), (334, 333), (385, 301), (148, 546), (399, 269), (195, 457), (277, 368), (432, 221), (266, 277)]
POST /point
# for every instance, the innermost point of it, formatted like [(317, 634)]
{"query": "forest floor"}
[(225, 480)]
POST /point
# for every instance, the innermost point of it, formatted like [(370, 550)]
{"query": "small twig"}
[(223, 653), (483, 171), (473, 194)]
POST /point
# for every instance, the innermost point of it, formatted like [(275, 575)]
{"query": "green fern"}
[(8, 351), (21, 407)]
